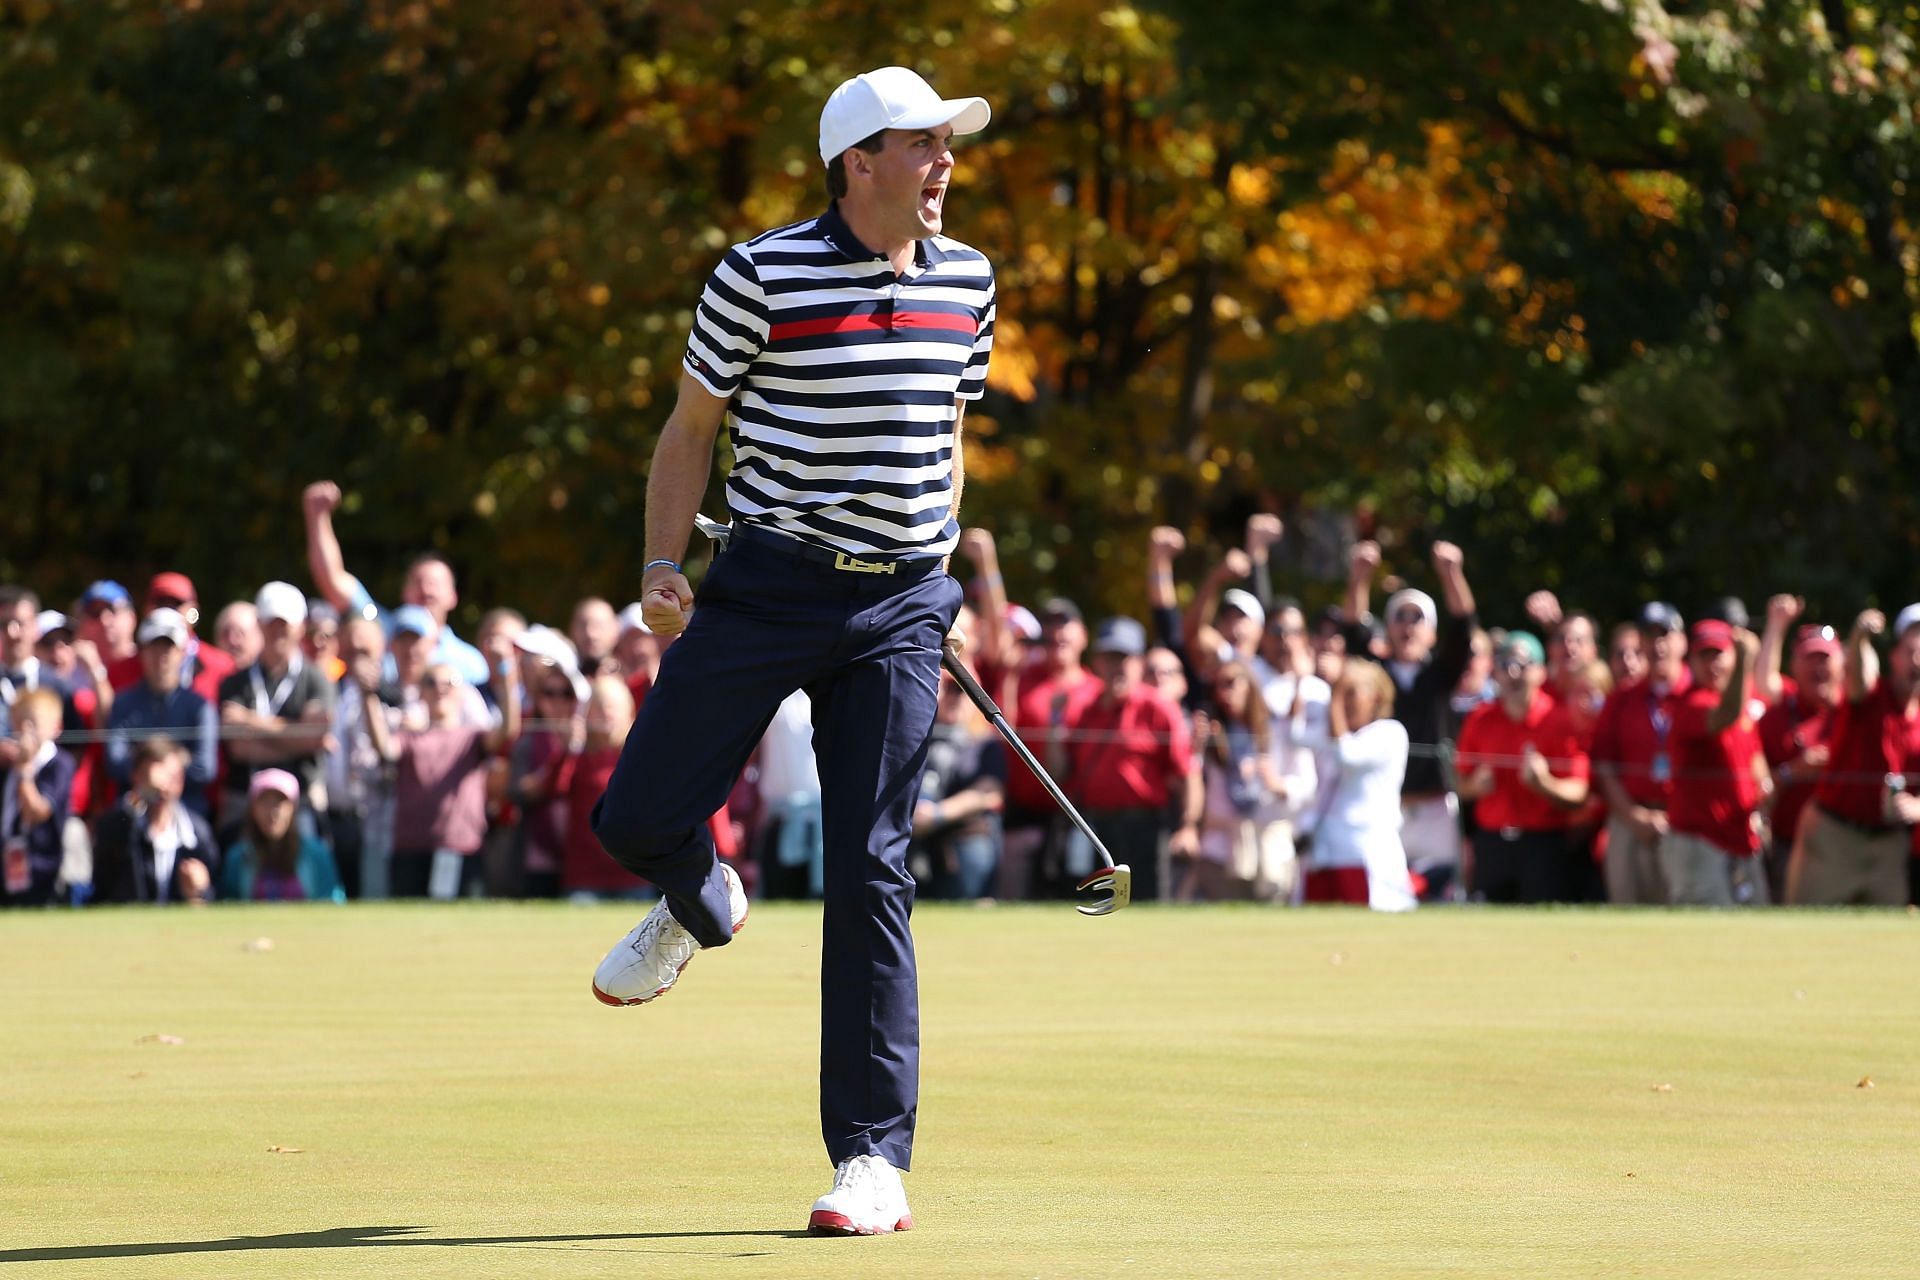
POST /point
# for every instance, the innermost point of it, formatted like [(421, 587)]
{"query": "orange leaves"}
[(1383, 224)]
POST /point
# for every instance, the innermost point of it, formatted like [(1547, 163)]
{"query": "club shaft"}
[(958, 670)]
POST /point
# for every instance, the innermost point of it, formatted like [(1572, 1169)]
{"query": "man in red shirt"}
[(1521, 762), (1633, 761), (1051, 694), (1130, 762), (1709, 852), (1853, 846), (205, 668), (1794, 735)]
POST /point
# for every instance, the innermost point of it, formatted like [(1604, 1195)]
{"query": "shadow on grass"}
[(366, 1238)]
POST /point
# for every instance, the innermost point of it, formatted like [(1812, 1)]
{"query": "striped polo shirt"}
[(844, 379)]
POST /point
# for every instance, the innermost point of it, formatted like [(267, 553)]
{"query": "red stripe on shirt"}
[(873, 320)]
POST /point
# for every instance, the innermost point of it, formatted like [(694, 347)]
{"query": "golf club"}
[(1105, 890)]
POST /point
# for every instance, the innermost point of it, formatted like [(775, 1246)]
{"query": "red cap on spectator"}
[(1817, 640), (171, 587), (1712, 634)]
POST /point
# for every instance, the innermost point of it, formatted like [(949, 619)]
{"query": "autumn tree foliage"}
[(1621, 298)]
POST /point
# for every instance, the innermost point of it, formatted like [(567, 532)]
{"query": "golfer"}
[(840, 352)]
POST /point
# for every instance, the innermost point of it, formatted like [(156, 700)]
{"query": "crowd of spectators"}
[(1225, 745)]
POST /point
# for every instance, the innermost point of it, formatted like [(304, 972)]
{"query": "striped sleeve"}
[(973, 380), (729, 326)]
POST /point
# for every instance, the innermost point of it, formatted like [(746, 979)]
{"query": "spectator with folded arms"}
[(272, 861), (159, 703), (150, 847), (277, 712)]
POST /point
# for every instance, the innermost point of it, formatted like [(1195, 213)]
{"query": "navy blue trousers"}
[(866, 648)]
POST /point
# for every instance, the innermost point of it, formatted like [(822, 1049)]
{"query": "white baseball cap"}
[(633, 618), (282, 601), (1909, 617), (1244, 601), (892, 98), (163, 624)]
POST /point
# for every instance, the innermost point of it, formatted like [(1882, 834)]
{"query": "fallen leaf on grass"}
[(1337, 958), (1631, 1174), (160, 1039), (138, 1075), (1866, 1082), (1663, 1088), (285, 1151), (257, 944)]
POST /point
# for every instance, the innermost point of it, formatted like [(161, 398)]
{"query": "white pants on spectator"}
[(1430, 831)]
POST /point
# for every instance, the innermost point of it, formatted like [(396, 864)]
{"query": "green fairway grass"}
[(1164, 1092)]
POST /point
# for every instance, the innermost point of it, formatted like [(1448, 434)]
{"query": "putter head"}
[(719, 533), (1105, 891)]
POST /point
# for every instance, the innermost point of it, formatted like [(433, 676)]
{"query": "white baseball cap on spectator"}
[(163, 624), (1025, 625), (1909, 617), (1412, 597), (631, 619), (548, 645), (280, 602), (892, 98), (52, 620), (1245, 602)]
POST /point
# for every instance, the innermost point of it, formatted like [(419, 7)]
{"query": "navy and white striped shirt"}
[(844, 379)]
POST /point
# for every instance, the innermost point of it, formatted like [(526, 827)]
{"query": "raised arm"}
[(1781, 611), (324, 560), (1233, 567), (506, 692), (1363, 561), (1263, 530), (1733, 699), (1450, 564), (1862, 661), (682, 463)]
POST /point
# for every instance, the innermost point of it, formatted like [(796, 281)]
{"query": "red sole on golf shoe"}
[(616, 1002), (824, 1222)]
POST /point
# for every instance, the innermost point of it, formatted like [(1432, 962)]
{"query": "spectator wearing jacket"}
[(36, 792), (272, 861), (150, 847)]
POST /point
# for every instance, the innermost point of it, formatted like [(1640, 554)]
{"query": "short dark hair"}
[(155, 749), (12, 594), (837, 167), (428, 557)]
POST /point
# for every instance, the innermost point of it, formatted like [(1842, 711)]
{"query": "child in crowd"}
[(35, 799), (272, 861)]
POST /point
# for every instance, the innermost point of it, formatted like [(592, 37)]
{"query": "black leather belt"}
[(787, 545)]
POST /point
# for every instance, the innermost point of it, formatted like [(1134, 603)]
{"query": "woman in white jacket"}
[(1357, 855)]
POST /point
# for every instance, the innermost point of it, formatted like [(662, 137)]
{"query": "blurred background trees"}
[(1624, 298)]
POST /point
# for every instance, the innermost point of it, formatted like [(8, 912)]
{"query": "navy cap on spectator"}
[(415, 619), (105, 591), (1122, 636), (1731, 610), (1661, 616)]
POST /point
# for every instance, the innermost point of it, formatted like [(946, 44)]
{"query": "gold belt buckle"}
[(841, 560)]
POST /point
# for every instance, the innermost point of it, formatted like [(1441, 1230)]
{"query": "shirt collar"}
[(834, 227)]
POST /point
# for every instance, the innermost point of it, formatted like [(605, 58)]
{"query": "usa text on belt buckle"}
[(841, 560)]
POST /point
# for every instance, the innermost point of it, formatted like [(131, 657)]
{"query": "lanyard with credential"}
[(264, 705), (1662, 721)]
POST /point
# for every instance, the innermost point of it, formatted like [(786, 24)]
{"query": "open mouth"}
[(931, 198)]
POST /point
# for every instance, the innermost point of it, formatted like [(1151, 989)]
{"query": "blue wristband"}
[(671, 564)]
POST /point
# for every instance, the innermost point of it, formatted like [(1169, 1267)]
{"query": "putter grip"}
[(958, 670)]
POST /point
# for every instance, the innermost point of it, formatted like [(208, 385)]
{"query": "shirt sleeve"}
[(973, 379), (729, 326)]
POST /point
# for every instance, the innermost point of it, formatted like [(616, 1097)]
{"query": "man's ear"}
[(859, 162)]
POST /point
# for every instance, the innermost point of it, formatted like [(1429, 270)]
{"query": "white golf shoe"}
[(867, 1200), (648, 960)]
